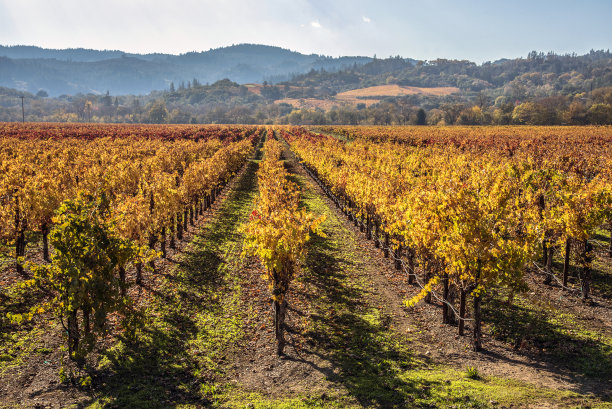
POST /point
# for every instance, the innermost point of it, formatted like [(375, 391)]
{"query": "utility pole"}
[(22, 110)]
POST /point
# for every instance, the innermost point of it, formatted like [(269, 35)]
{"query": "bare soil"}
[(350, 272), (36, 383), (306, 368)]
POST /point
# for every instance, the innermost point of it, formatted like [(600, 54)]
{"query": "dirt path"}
[(339, 340), (352, 340), (177, 301), (346, 271), (431, 339)]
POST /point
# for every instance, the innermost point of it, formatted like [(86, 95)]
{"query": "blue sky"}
[(477, 30)]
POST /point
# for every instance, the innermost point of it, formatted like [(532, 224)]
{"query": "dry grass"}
[(394, 91), (354, 97), (254, 88)]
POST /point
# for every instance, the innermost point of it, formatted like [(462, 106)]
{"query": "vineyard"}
[(277, 266), (472, 213)]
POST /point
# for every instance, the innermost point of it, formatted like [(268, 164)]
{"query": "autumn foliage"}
[(471, 207), (278, 230), (106, 198)]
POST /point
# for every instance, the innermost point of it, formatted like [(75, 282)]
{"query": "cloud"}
[(315, 24), (366, 19)]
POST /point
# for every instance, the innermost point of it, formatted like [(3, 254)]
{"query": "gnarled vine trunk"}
[(138, 273), (549, 272), (462, 296), (163, 242), (179, 227), (279, 293), (122, 280), (585, 271), (73, 334), (280, 309), (20, 240), (566, 261), (45, 241), (477, 341)]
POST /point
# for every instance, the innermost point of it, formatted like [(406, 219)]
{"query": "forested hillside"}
[(261, 84), (74, 71)]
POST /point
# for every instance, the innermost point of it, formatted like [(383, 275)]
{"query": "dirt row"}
[(35, 382), (304, 368), (344, 307)]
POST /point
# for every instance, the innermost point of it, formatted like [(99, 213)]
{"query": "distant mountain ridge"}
[(72, 71)]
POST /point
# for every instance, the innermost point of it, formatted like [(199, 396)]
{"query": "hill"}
[(395, 91), (73, 71), (225, 86)]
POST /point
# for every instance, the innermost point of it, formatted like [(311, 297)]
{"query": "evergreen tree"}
[(107, 101), (421, 117)]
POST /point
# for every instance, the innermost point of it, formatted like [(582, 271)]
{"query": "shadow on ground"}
[(564, 347), (176, 350), (353, 336)]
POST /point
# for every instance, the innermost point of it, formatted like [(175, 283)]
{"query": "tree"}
[(271, 93), (471, 116), (452, 112), (42, 93), (158, 113), (526, 113), (600, 114), (421, 117), (107, 101), (576, 114), (136, 106), (179, 117), (602, 95), (87, 108), (172, 87)]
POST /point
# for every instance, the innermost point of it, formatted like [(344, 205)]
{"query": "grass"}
[(445, 389), (20, 341), (5, 260), (17, 346), (453, 388), (193, 324), (395, 90), (578, 349), (352, 334), (602, 269), (371, 364), (472, 373), (179, 356)]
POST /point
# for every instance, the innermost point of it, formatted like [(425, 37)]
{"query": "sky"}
[(477, 30)]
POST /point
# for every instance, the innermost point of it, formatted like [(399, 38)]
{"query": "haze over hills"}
[(73, 71), (228, 85)]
